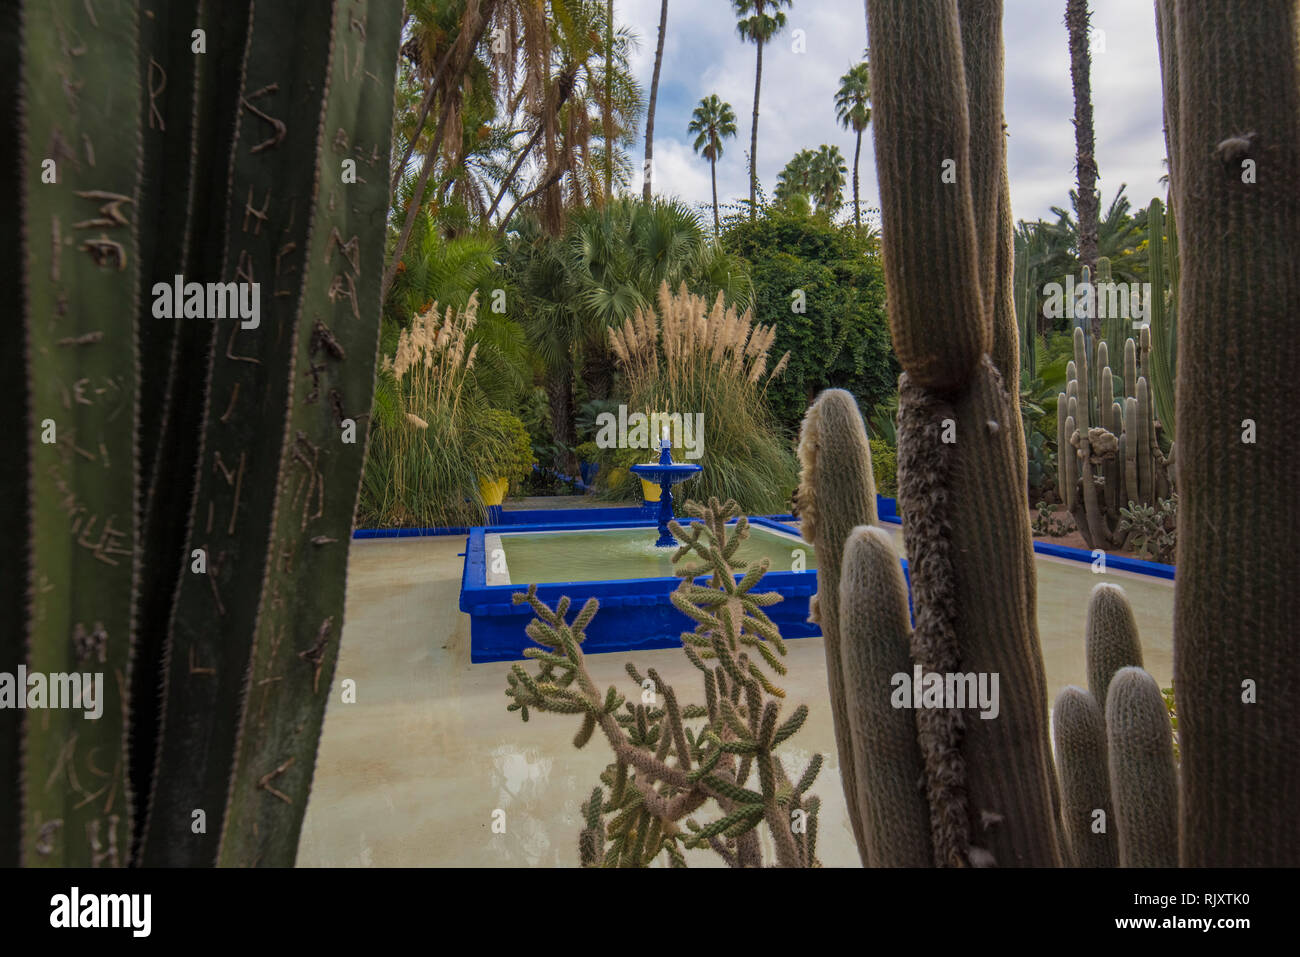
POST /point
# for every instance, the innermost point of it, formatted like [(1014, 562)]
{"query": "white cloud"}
[(703, 54)]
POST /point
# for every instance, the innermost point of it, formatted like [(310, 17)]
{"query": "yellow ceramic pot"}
[(493, 491)]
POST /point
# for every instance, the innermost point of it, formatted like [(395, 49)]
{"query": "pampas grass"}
[(689, 356), (432, 438)]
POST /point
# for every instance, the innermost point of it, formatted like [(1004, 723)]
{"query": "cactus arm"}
[(1143, 781), (837, 493), (299, 625), (80, 233), (1111, 640), (1079, 732), (875, 635), (939, 327)]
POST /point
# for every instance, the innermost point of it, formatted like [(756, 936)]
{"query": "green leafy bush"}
[(837, 330), (884, 466)]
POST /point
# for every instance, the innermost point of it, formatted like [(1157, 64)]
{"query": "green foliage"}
[(841, 338), (516, 460), (1046, 522), (884, 466), (672, 760)]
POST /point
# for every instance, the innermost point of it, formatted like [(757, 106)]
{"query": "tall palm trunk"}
[(559, 393), (713, 168), (464, 54), (1076, 22), (650, 113), (857, 205), (608, 119), (753, 135)]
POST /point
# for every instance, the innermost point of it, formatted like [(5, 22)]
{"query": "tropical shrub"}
[(837, 331), (884, 467)]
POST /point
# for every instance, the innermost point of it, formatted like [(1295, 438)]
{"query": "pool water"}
[(522, 558)]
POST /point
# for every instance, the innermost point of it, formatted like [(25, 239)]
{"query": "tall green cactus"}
[(1162, 252), (1235, 150), (82, 116), (962, 501), (937, 79), (190, 482)]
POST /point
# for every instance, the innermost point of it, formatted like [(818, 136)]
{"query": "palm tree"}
[(650, 114), (713, 121), (757, 25), (826, 178), (853, 109), (1076, 23), (813, 177), (795, 180)]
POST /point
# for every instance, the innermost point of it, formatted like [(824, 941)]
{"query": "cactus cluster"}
[(667, 765), (189, 480), (1108, 439), (988, 790), (1114, 749)]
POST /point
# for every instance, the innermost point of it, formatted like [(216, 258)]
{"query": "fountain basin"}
[(619, 565)]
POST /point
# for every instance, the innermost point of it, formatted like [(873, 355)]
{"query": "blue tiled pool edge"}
[(638, 614)]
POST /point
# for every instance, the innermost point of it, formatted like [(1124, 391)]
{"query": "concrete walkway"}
[(411, 774)]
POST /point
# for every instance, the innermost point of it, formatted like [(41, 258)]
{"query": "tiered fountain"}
[(665, 473)]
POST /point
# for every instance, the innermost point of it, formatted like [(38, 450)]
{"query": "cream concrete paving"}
[(411, 774)]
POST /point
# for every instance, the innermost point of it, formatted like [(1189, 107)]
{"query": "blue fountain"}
[(666, 473)]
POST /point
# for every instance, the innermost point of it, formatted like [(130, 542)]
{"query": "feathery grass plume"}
[(672, 761), (435, 433), (689, 356)]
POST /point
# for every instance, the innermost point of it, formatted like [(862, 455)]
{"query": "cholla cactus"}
[(668, 766)]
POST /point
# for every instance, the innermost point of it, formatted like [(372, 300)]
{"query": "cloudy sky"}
[(703, 54)]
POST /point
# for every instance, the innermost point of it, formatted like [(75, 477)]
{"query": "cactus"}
[(1079, 732), (1107, 443), (1236, 108), (188, 518), (1162, 252), (665, 770), (1236, 767), (836, 493), (1002, 811), (1143, 782), (875, 641)]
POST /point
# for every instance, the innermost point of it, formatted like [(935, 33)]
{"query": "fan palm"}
[(760, 21), (853, 109), (712, 122)]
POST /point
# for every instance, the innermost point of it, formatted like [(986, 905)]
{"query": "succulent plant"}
[(667, 768), (191, 481)]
